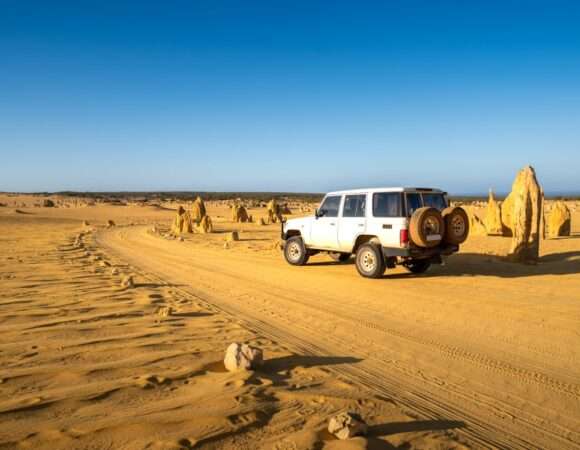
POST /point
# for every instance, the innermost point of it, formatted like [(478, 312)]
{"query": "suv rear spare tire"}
[(370, 262), (426, 227), (295, 252), (456, 225)]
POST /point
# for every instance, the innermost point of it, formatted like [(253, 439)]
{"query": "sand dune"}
[(478, 353)]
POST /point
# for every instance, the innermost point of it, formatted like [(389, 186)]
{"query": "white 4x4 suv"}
[(383, 227)]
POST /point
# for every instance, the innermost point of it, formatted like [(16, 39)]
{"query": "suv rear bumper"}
[(417, 252)]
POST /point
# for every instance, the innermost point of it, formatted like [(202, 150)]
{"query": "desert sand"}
[(478, 353)]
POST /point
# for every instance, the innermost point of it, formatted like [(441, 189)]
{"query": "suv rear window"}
[(387, 204), (416, 201), (435, 201)]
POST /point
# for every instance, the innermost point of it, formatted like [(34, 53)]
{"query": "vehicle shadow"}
[(474, 264)]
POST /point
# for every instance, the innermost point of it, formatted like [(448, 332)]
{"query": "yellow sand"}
[(476, 353)]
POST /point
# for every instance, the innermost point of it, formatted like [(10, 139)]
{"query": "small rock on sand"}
[(127, 282), (233, 236), (242, 357), (165, 311), (347, 425)]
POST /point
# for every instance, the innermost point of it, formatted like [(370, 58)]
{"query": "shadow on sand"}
[(472, 264)]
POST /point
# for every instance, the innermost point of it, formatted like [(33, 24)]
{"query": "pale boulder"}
[(347, 425), (242, 357)]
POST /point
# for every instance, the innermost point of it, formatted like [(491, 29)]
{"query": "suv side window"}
[(414, 202), (354, 206), (387, 204), (330, 205), (435, 201)]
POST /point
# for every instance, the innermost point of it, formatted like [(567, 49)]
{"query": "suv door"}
[(387, 217), (324, 230), (353, 221)]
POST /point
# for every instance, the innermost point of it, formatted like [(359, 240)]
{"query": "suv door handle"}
[(361, 224), (332, 224)]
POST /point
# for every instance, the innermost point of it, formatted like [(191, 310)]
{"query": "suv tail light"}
[(404, 237)]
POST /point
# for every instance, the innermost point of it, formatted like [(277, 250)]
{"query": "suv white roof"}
[(387, 189)]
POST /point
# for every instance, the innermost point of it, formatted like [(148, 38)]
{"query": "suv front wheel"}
[(295, 252), (369, 261)]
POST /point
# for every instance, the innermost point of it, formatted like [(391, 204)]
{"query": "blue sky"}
[(288, 96)]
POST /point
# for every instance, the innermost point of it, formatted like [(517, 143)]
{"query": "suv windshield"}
[(329, 207)]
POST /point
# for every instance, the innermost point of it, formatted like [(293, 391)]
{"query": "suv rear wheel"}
[(295, 252), (369, 261)]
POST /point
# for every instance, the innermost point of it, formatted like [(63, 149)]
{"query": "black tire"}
[(370, 262), (340, 257), (426, 227), (456, 225), (418, 266), (295, 252)]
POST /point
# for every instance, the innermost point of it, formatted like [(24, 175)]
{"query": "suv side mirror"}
[(319, 213)]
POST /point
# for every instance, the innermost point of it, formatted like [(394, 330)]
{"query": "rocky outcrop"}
[(239, 214), (205, 225), (559, 221), (507, 207), (198, 211), (526, 198), (493, 223), (476, 225), (347, 425), (182, 222), (274, 212), (242, 357)]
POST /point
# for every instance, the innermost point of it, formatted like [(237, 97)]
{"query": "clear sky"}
[(288, 96)]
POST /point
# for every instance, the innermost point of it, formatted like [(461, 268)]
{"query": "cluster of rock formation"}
[(192, 221), (521, 217)]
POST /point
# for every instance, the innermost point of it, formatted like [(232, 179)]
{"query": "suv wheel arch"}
[(365, 239)]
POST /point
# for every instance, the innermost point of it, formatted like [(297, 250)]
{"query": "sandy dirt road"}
[(479, 341)]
